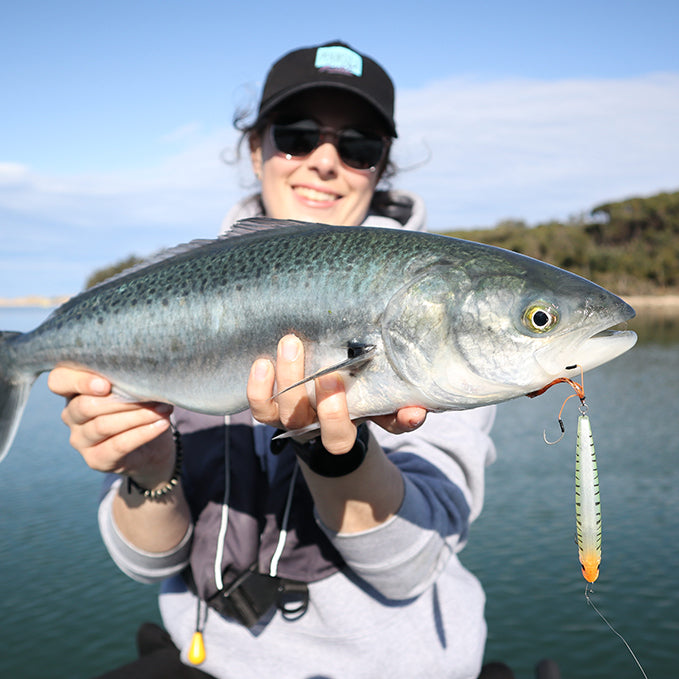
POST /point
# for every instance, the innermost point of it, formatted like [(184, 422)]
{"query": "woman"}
[(327, 558)]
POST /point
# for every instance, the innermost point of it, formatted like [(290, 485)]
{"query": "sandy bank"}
[(656, 304), (32, 301)]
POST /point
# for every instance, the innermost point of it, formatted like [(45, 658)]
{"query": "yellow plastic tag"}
[(197, 649)]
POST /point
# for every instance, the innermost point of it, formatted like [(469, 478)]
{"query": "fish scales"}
[(217, 300), (427, 310), (237, 272)]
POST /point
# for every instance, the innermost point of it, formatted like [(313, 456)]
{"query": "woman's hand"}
[(292, 410), (369, 495), (113, 435)]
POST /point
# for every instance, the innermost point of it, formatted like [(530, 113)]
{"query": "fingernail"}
[(99, 386), (260, 369), (290, 348), (163, 408)]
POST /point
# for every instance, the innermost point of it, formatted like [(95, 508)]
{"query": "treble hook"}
[(579, 390)]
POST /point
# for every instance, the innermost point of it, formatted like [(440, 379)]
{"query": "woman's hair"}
[(243, 123)]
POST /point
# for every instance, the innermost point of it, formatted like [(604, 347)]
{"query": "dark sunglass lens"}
[(360, 150), (297, 139)]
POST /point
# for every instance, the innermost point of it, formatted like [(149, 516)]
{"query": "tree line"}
[(630, 246)]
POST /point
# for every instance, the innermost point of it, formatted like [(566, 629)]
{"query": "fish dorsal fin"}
[(258, 224), (155, 258), (241, 228)]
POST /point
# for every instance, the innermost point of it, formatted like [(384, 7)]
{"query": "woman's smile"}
[(315, 196)]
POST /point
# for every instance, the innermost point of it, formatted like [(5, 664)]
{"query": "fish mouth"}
[(604, 346), (594, 351), (590, 350)]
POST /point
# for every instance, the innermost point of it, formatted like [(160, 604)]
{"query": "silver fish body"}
[(410, 319)]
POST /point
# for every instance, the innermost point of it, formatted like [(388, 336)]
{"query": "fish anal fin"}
[(313, 428)]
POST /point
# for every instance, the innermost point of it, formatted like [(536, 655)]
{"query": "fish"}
[(408, 318)]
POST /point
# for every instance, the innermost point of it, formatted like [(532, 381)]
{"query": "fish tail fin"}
[(14, 390)]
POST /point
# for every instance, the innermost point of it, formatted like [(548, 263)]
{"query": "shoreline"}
[(654, 304), (32, 302)]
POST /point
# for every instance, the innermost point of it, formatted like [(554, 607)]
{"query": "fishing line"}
[(588, 592)]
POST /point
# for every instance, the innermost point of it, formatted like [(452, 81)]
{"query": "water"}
[(66, 611), (523, 549)]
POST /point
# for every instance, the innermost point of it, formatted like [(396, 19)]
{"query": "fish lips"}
[(588, 348)]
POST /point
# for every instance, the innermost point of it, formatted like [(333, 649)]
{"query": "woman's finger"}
[(83, 408), (68, 382), (142, 450), (104, 426), (260, 390), (294, 409), (338, 432), (404, 420)]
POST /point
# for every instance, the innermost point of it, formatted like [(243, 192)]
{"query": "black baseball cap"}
[(334, 64)]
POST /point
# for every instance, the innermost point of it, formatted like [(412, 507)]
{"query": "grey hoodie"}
[(392, 601)]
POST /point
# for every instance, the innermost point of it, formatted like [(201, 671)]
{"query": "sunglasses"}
[(357, 150)]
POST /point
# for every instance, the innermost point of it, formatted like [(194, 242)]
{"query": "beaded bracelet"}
[(174, 480)]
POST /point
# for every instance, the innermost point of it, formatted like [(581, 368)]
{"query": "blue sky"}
[(114, 115)]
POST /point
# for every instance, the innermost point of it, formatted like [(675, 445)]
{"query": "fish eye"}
[(540, 317)]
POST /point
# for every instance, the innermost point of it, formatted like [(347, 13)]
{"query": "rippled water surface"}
[(66, 611)]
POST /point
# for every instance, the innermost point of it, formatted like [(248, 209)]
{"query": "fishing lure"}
[(587, 498)]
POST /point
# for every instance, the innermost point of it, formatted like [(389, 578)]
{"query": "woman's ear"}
[(255, 143)]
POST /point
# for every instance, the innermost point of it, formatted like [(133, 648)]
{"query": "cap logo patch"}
[(338, 59)]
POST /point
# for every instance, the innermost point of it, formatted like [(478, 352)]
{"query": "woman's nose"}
[(325, 160)]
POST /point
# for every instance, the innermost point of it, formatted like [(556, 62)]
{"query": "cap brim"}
[(280, 97)]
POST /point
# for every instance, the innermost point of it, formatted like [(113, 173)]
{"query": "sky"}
[(115, 121)]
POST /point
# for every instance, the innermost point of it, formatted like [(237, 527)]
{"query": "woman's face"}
[(317, 187)]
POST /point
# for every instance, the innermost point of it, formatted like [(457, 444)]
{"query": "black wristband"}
[(323, 463)]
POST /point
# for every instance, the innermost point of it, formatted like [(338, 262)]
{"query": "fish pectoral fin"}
[(359, 354), (123, 396)]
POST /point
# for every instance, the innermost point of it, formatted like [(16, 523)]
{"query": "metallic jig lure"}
[(587, 500)]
